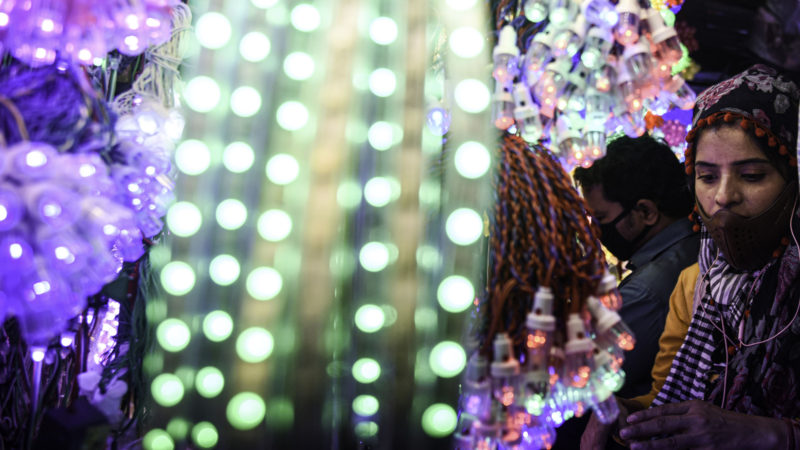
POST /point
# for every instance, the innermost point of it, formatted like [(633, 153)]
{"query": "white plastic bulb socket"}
[(665, 39), (506, 56)]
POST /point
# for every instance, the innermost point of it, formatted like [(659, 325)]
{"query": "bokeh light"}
[(231, 214), (348, 194), (466, 42), (264, 283), (254, 345), (192, 157), (464, 226), (374, 256), (472, 160), (173, 335), (217, 325), (282, 169), (157, 439), (205, 435), (202, 94), (455, 293), (447, 359), (292, 115), (213, 30), (472, 95), (167, 389), (274, 225), (378, 191), (383, 30), (298, 66), (366, 370), (184, 219), (177, 278), (370, 318), (224, 269), (254, 46), (209, 382), (305, 17), (382, 82), (178, 428), (245, 101), (238, 157), (383, 135), (365, 405), (439, 420), (245, 410), (461, 5)]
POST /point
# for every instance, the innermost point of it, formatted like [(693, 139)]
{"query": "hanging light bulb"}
[(662, 71), (627, 30), (665, 39), (600, 13), (609, 370), (626, 86), (552, 82), (637, 60), (612, 333), (579, 361), (598, 44), (476, 396), (569, 143), (502, 107), (526, 113), (680, 93), (562, 12), (535, 10), (602, 386), (504, 370), (538, 54), (573, 98), (605, 78), (541, 324), (11, 207), (538, 434), (594, 132), (506, 57), (607, 292), (568, 41)]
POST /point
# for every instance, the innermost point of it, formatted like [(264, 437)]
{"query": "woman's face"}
[(731, 172)]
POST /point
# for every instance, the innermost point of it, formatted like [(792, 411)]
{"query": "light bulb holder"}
[(506, 42)]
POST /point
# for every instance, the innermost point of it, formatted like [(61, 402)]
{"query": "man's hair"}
[(640, 168)]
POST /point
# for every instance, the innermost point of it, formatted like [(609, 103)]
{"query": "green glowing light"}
[(231, 214), (280, 413), (298, 66), (217, 325), (173, 335), (177, 277), (264, 283), (366, 370), (383, 135), (383, 30), (209, 382), (430, 193), (192, 157), (157, 439), (455, 293), (167, 389), (224, 270), (245, 101), (466, 42), (366, 429), (382, 82), (425, 318), (213, 30), (178, 428), (205, 435), (683, 63), (447, 359), (464, 226), (472, 160), (378, 191), (245, 410), (342, 262), (365, 405), (274, 225), (370, 318), (428, 257), (254, 345), (186, 375), (348, 195), (472, 95), (254, 46), (238, 157), (668, 16), (374, 256), (292, 115), (202, 94), (282, 169), (305, 17), (439, 420), (184, 219)]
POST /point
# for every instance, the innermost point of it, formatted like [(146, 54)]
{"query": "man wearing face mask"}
[(639, 195)]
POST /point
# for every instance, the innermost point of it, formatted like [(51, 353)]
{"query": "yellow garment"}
[(675, 329)]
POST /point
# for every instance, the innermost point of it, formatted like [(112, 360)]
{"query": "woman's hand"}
[(596, 433), (698, 424)]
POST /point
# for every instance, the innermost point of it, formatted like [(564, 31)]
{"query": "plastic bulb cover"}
[(535, 10)]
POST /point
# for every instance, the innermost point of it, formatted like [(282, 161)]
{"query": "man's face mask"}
[(615, 242)]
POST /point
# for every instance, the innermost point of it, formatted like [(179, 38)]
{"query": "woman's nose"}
[(728, 193)]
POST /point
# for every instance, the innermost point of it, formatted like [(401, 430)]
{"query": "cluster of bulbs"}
[(518, 400), (64, 235), (38, 32), (593, 69)]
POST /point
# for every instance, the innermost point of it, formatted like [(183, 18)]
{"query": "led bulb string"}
[(541, 237)]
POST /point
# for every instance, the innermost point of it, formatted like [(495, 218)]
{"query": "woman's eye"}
[(706, 177), (753, 176)]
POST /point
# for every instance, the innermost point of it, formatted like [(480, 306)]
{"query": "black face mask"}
[(615, 242)]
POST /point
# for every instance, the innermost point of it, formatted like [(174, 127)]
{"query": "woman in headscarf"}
[(735, 380)]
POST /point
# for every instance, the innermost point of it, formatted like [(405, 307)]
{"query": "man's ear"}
[(648, 211)]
